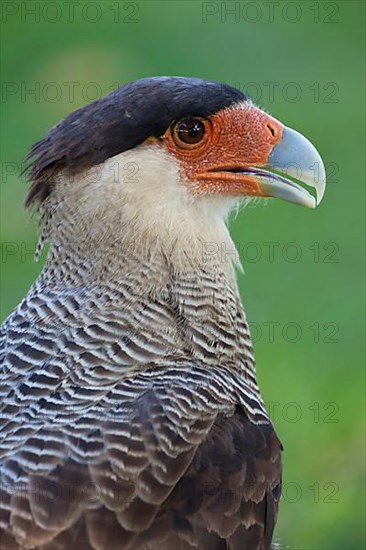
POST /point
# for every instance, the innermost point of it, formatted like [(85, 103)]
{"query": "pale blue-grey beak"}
[(293, 159)]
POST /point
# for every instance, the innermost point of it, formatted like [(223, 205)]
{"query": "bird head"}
[(168, 154)]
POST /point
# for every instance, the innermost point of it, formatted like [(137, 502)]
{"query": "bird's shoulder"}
[(169, 449), (102, 441)]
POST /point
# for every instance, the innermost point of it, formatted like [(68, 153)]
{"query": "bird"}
[(131, 417)]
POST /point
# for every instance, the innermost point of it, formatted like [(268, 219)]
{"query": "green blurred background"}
[(304, 271)]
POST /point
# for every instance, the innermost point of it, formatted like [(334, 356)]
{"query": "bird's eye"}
[(189, 131)]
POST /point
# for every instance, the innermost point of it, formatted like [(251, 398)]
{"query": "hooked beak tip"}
[(294, 156)]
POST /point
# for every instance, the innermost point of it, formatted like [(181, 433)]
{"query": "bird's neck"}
[(180, 292)]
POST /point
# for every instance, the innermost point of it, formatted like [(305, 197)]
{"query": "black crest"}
[(120, 121)]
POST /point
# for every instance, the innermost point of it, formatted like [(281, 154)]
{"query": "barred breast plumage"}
[(112, 393)]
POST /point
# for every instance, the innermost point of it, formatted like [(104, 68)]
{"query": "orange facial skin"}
[(236, 138)]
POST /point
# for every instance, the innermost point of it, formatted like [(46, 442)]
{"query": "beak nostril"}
[(272, 130)]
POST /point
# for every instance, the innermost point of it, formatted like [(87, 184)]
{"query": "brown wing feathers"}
[(161, 484)]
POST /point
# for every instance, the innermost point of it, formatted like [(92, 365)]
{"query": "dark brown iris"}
[(189, 131)]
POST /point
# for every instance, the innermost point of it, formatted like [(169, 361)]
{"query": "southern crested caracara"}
[(130, 413)]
